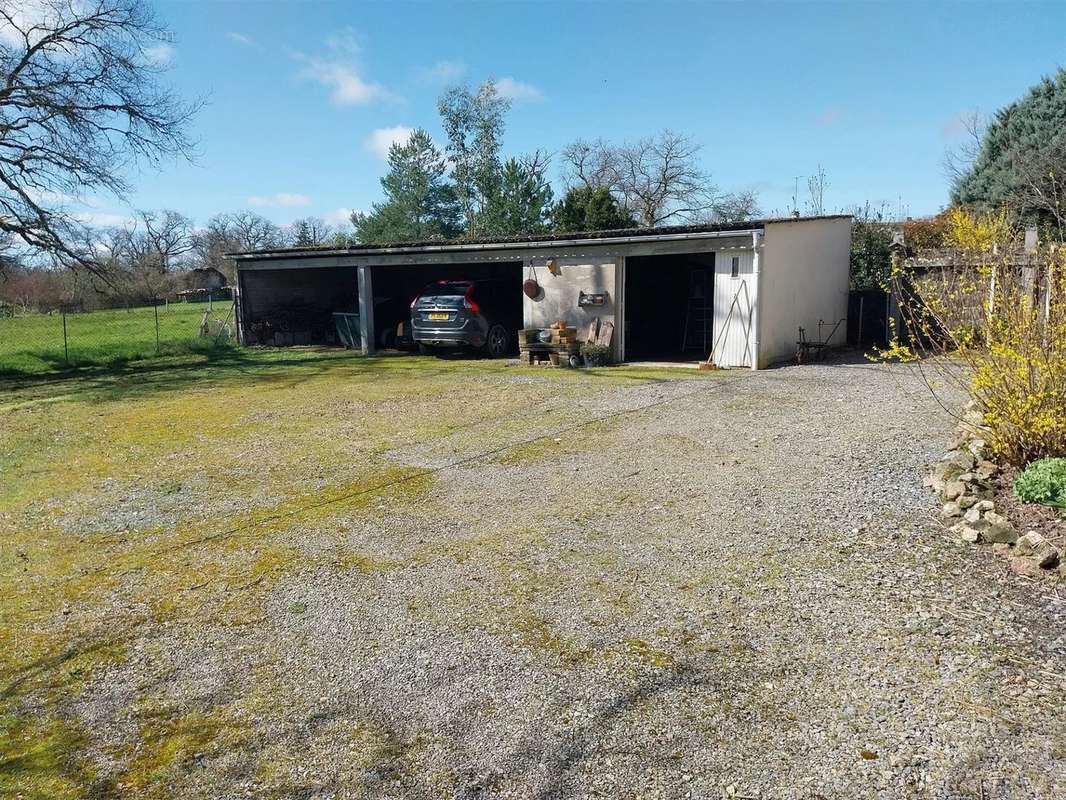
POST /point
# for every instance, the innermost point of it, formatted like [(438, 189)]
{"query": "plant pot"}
[(596, 359)]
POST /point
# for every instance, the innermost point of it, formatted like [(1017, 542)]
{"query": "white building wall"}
[(559, 296), (804, 268)]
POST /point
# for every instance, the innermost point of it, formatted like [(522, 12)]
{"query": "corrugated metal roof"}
[(445, 245)]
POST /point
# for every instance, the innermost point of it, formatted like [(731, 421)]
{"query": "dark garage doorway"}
[(669, 307), (396, 287), (282, 307)]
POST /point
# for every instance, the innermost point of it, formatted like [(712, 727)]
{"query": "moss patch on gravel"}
[(179, 493), (40, 758)]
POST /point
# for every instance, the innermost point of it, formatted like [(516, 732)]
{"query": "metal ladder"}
[(699, 313)]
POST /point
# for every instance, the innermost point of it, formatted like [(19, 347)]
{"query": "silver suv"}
[(476, 313)]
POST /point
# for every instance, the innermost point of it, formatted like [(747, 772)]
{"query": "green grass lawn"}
[(33, 343)]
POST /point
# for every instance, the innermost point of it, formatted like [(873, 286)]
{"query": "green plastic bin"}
[(348, 329)]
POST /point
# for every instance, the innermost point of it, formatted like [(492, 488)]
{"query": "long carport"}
[(737, 294)]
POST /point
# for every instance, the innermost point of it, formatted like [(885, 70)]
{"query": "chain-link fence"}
[(68, 336)]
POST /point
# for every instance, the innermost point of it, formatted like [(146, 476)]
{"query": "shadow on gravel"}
[(563, 757)]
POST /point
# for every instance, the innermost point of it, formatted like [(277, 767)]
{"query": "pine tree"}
[(419, 202), (522, 202), (590, 208), (1022, 156), (302, 236)]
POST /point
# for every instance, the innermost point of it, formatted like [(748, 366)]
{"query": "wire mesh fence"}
[(68, 336)]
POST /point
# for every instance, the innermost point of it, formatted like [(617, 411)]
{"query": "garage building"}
[(738, 293)]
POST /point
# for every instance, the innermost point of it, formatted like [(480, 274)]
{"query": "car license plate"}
[(437, 315)]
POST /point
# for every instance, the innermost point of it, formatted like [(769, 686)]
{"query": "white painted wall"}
[(804, 278), (559, 296)]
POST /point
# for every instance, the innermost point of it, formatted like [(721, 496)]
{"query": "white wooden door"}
[(734, 301)]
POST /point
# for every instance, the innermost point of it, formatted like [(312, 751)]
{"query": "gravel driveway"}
[(733, 587)]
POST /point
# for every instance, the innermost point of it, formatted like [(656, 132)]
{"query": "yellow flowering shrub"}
[(972, 233), (996, 317)]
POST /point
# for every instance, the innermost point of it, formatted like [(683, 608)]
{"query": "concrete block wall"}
[(559, 293)]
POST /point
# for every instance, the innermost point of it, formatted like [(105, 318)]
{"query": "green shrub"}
[(596, 355), (1044, 482)]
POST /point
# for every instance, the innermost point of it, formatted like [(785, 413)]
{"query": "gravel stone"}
[(743, 591)]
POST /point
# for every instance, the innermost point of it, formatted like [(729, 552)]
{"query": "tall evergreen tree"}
[(522, 202), (419, 202), (1022, 155), (590, 208), (301, 234)]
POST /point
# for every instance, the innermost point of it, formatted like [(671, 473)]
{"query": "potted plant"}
[(596, 355)]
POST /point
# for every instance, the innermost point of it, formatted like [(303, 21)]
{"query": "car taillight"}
[(469, 302)]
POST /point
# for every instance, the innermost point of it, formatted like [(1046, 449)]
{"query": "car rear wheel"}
[(496, 341)]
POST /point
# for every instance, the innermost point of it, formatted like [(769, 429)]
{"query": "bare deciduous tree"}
[(657, 179), (734, 207), (164, 237), (234, 232), (959, 160), (1041, 192), (79, 103), (142, 255), (311, 232), (816, 186), (249, 231)]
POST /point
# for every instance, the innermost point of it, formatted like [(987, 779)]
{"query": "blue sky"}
[(303, 96)]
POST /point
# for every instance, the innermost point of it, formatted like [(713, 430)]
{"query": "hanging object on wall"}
[(530, 287), (553, 267), (591, 299)]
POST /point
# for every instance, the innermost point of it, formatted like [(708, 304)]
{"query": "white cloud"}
[(159, 54), (443, 72), (51, 196), (379, 141), (339, 216), (103, 219), (279, 200), (344, 41), (240, 38), (347, 87), (518, 91), (23, 16), (340, 72)]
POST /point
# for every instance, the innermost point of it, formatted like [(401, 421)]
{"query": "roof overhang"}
[(457, 253)]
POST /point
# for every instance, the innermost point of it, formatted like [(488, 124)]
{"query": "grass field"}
[(33, 343), (176, 494)]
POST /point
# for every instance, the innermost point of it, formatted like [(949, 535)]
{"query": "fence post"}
[(66, 351), (155, 307)]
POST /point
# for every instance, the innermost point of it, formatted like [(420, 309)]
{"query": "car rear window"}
[(446, 289)]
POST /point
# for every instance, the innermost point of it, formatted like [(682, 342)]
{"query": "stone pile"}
[(963, 481)]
